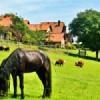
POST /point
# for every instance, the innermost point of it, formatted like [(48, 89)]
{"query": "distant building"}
[(56, 31), (5, 21)]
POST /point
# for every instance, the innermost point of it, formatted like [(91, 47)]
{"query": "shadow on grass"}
[(33, 96), (3, 97), (10, 97), (84, 57), (42, 48)]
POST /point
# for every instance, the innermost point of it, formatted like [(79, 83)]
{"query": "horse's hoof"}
[(43, 96)]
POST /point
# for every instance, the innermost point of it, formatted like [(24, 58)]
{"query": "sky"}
[(37, 11)]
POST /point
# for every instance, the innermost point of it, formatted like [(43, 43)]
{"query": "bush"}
[(58, 45), (70, 46)]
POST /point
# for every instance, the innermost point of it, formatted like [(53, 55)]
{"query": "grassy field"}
[(68, 82)]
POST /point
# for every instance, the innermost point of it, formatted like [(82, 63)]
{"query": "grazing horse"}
[(22, 61), (59, 62)]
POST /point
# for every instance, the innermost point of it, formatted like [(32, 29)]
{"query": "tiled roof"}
[(34, 27), (44, 26), (26, 21), (6, 21), (55, 28)]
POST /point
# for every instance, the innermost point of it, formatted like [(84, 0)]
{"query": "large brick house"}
[(56, 31)]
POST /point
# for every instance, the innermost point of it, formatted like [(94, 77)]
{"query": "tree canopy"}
[(18, 27), (87, 27), (35, 37)]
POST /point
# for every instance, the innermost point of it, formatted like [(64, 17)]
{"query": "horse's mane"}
[(5, 60), (15, 51)]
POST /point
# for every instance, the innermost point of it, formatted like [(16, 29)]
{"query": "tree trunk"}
[(97, 52)]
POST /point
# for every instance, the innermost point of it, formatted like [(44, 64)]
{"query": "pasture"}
[(69, 82)]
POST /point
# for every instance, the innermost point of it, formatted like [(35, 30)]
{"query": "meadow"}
[(68, 82)]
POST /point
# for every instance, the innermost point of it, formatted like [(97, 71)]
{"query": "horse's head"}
[(4, 85)]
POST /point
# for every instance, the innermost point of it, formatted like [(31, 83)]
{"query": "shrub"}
[(70, 46)]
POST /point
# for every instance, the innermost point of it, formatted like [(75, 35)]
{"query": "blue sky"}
[(47, 10)]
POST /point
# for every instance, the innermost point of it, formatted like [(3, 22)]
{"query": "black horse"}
[(23, 61)]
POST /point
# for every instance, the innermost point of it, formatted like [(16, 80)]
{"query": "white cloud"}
[(25, 6), (47, 10), (19, 5)]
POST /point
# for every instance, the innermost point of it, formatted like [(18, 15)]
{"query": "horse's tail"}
[(49, 77), (45, 74)]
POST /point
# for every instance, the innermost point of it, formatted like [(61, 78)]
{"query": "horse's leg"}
[(44, 77), (21, 78), (14, 84)]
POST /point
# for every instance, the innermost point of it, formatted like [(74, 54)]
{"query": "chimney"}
[(58, 22)]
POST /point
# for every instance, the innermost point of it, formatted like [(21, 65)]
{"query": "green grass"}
[(68, 82)]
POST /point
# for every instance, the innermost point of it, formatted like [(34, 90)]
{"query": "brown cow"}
[(59, 62), (79, 63)]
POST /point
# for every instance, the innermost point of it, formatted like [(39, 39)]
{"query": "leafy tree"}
[(9, 35), (38, 36), (3, 31), (27, 38), (35, 37), (87, 27), (18, 27)]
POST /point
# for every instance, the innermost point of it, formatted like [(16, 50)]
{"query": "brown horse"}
[(23, 61)]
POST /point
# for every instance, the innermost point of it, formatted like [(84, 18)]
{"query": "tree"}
[(35, 37), (3, 32), (27, 38), (39, 36), (18, 27), (87, 27)]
